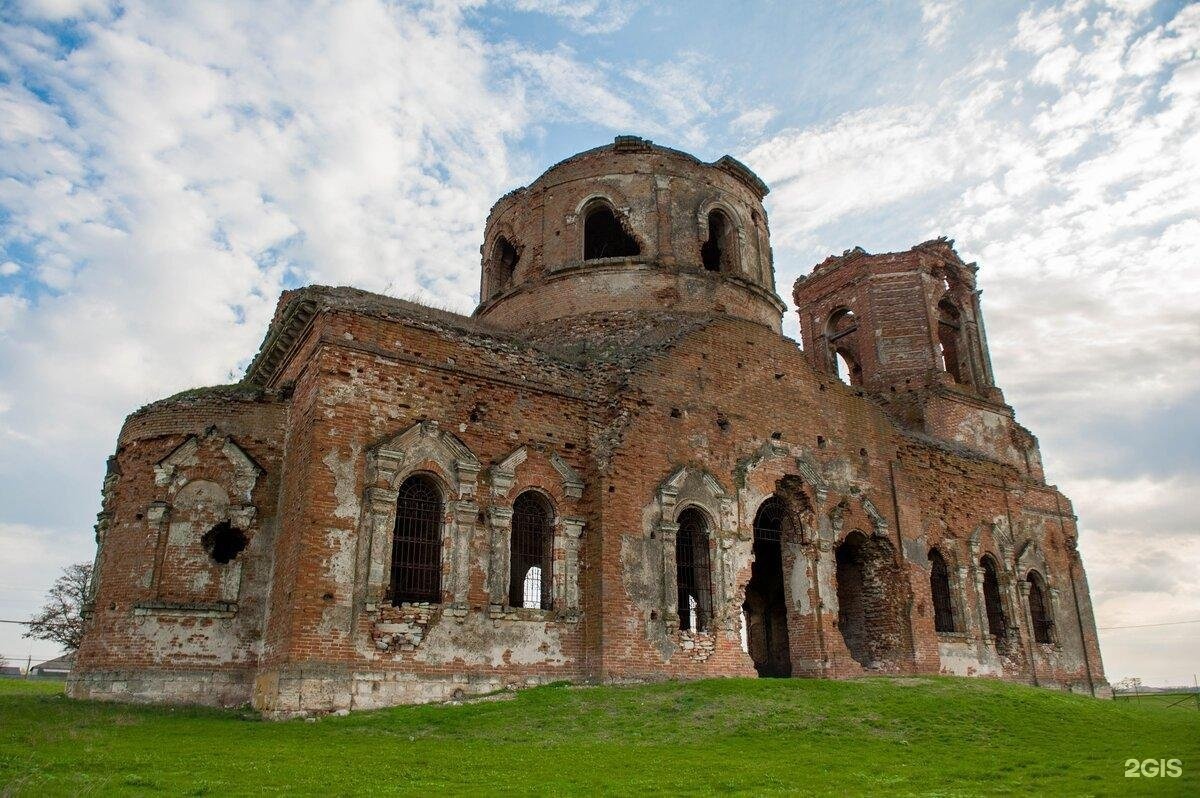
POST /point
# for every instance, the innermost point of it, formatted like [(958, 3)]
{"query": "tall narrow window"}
[(604, 237), (417, 542), (716, 253), (692, 572), (939, 589), (949, 328), (504, 265), (1039, 611), (997, 624), (530, 552)]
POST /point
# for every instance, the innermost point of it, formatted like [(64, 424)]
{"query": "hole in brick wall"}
[(722, 422), (653, 615), (223, 542), (676, 412), (612, 489), (820, 442), (779, 375), (862, 453), (139, 516), (327, 597), (821, 386), (568, 446), (776, 436)]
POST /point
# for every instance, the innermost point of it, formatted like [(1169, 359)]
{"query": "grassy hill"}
[(938, 736)]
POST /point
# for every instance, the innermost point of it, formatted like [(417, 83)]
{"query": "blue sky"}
[(166, 169)]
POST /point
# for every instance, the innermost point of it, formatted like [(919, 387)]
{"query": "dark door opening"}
[(765, 607)]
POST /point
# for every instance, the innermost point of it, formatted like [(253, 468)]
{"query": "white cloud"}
[(584, 16), (753, 121), (938, 16), (8, 269)]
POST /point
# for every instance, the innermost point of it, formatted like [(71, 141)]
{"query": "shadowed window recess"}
[(939, 589), (994, 607), (504, 265), (1039, 609), (716, 253), (604, 237)]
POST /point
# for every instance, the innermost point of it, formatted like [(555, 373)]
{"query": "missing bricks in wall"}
[(223, 542)]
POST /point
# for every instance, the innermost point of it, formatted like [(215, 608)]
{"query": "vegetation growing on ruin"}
[(883, 735)]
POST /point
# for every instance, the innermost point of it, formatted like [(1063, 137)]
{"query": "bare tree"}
[(60, 620)]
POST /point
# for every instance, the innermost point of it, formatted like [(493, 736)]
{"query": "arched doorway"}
[(765, 608)]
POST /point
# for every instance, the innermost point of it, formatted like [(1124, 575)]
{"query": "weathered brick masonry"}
[(618, 469)]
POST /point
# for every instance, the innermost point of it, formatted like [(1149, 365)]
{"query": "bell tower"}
[(907, 328)]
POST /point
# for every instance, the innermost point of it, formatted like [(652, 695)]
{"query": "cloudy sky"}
[(167, 168)]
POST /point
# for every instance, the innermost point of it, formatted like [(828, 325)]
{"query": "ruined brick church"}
[(616, 469)]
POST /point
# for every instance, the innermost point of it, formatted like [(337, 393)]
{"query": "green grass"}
[(929, 736)]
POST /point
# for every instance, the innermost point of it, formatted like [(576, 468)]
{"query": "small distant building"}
[(9, 671), (57, 668)]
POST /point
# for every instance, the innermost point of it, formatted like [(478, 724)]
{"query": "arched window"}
[(692, 575), (1039, 610), (717, 252), (504, 265), (604, 237), (417, 542), (840, 327), (997, 624), (949, 330), (531, 548), (939, 589)]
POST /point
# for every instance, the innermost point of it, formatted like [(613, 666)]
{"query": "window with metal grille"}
[(1043, 626), (417, 542), (768, 522), (692, 572), (530, 552), (997, 625), (939, 588)]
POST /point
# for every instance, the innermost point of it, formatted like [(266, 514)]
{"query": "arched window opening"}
[(1039, 611), (717, 252), (841, 322), (417, 542), (604, 237), (994, 608), (692, 575), (869, 594), (949, 331), (504, 265), (841, 326), (765, 608), (939, 588), (530, 553), (848, 370)]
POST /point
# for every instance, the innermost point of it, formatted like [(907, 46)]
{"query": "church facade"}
[(617, 469)]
